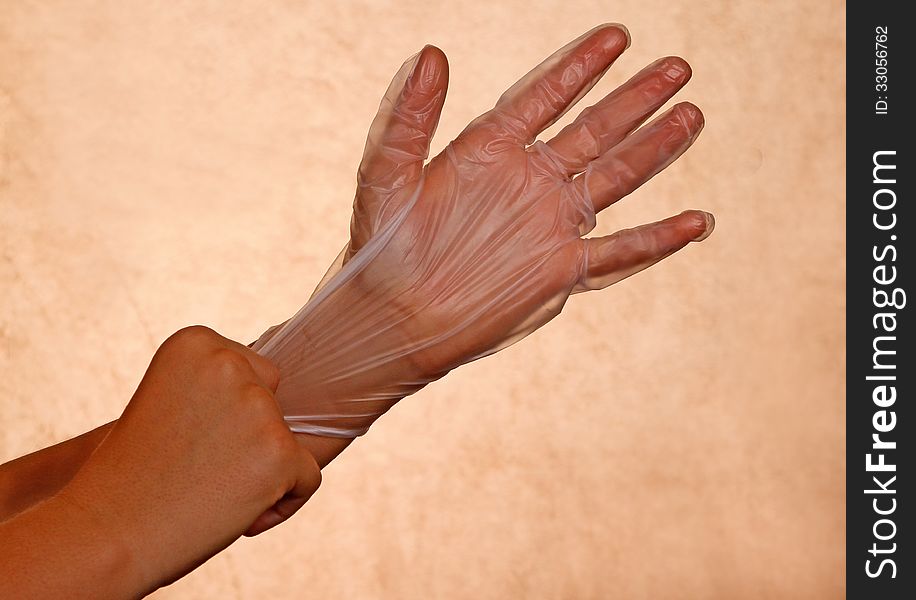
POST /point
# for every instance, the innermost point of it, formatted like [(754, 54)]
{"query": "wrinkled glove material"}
[(456, 259)]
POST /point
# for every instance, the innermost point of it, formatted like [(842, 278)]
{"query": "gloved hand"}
[(454, 260)]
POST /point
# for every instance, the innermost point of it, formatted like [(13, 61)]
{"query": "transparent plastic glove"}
[(454, 260)]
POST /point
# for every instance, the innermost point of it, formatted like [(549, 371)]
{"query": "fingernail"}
[(710, 226), (676, 68), (624, 30), (411, 62)]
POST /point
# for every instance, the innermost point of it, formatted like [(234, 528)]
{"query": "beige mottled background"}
[(678, 436)]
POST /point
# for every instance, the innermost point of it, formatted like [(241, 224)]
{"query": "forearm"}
[(26, 481), (56, 549)]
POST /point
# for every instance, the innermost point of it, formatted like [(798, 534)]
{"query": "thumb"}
[(399, 139), (307, 476)]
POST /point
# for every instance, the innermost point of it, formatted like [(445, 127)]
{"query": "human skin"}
[(29, 479), (200, 456), (417, 103)]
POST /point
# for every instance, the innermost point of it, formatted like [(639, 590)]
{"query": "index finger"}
[(307, 480), (265, 370)]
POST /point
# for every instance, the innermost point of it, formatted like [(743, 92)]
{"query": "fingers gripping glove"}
[(455, 259)]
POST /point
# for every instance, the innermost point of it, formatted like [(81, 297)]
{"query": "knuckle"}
[(271, 373), (551, 91), (588, 138), (229, 366), (195, 333), (192, 337), (278, 443), (257, 395)]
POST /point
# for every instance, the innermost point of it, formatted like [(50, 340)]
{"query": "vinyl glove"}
[(456, 259)]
